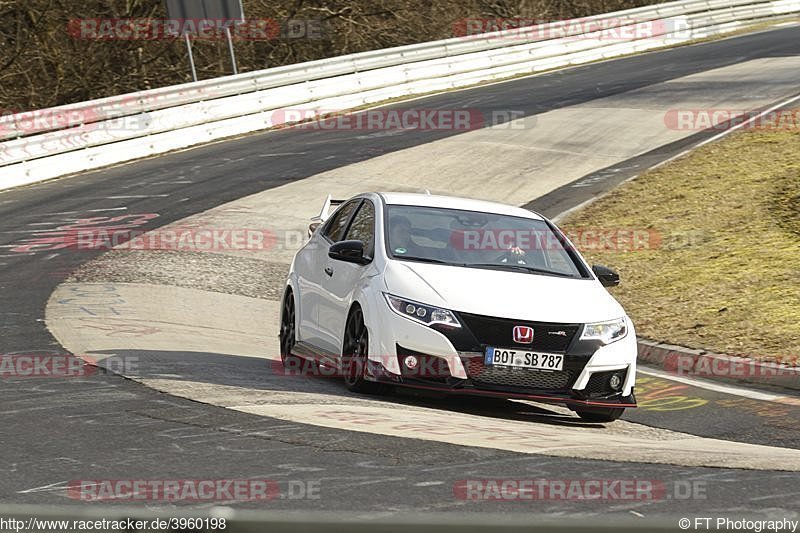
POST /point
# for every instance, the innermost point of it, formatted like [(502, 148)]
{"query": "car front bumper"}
[(443, 367)]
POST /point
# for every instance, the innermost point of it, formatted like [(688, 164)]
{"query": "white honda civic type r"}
[(460, 296)]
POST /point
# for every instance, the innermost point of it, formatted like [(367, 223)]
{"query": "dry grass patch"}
[(726, 276)]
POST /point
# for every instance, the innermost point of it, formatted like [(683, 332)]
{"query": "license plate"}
[(522, 359)]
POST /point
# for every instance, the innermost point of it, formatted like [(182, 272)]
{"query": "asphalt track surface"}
[(106, 427)]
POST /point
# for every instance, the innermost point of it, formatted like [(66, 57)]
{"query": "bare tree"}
[(45, 63)]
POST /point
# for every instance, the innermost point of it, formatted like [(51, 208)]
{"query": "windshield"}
[(479, 240)]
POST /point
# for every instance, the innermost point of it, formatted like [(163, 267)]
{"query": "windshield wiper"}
[(519, 268), (498, 266), (426, 260)]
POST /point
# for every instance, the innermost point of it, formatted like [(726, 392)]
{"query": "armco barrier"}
[(123, 128)]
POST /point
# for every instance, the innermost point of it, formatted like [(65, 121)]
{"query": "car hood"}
[(498, 293)]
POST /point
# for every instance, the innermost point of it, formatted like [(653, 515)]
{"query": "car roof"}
[(455, 202)]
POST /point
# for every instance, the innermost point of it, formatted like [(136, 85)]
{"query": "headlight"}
[(424, 314), (606, 332)]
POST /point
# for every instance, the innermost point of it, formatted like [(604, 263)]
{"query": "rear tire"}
[(601, 415), (355, 352)]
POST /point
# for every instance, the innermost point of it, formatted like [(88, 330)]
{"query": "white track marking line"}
[(716, 387), (36, 231), (774, 496), (108, 209), (728, 131), (58, 485), (131, 196)]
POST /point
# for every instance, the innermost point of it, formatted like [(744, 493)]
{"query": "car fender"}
[(368, 296)]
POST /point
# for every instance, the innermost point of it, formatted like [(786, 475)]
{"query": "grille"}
[(517, 377), (598, 385), (547, 336)]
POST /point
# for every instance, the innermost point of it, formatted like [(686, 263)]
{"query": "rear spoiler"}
[(330, 205), (325, 212)]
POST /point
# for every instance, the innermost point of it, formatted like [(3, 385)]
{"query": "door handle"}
[(329, 271)]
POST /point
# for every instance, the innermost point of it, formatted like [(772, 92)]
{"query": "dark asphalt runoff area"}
[(107, 427)]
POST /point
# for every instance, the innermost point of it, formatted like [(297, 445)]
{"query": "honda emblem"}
[(523, 334)]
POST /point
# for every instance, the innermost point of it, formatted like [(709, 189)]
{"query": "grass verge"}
[(722, 271)]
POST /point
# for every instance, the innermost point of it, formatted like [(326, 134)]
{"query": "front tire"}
[(355, 355), (600, 416), (287, 335)]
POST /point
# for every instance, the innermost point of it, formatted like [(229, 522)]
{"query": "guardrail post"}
[(191, 57), (230, 49)]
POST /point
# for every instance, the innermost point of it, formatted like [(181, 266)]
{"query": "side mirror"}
[(348, 251), (312, 228), (607, 277)]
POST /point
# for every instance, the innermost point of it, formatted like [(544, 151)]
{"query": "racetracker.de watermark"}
[(399, 119), (192, 490), (57, 365), (177, 239), (585, 239), (604, 29), (184, 239), (30, 122), (724, 119), (729, 366), (17, 123), (45, 365), (208, 29), (419, 366), (540, 489)]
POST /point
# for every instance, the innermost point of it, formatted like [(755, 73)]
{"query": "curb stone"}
[(689, 362)]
